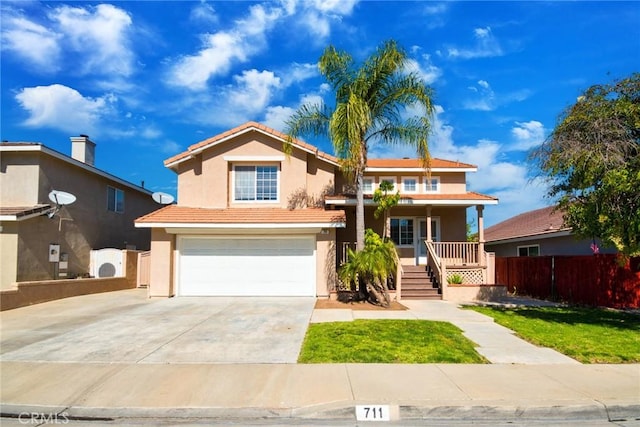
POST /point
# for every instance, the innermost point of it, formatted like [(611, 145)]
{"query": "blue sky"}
[(147, 79)]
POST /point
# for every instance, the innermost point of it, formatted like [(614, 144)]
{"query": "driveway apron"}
[(132, 329)]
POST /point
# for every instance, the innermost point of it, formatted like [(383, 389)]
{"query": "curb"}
[(595, 411)]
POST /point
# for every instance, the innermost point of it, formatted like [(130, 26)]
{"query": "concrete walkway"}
[(496, 343)]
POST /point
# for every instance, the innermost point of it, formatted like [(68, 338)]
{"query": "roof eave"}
[(190, 154)]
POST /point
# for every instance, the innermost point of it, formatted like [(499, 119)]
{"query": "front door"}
[(421, 236)]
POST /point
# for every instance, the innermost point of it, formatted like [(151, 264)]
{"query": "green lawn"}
[(585, 334), (387, 341)]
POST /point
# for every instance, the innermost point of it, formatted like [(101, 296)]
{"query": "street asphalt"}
[(122, 359)]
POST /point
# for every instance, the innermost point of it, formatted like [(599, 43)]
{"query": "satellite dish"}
[(60, 198), (162, 198)]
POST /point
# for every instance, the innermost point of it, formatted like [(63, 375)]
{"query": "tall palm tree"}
[(370, 107)]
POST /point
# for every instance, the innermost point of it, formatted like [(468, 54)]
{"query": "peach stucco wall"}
[(207, 179), (325, 263), (161, 268)]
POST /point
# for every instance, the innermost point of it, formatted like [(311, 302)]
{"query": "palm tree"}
[(372, 266), (370, 106)]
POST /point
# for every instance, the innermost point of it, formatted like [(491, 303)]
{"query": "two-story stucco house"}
[(101, 216), (251, 220)]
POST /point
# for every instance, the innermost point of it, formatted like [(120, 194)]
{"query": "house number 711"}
[(372, 413)]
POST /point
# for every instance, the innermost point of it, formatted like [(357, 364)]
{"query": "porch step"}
[(417, 283)]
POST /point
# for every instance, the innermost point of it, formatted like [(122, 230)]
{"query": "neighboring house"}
[(252, 220), (102, 215), (539, 232)]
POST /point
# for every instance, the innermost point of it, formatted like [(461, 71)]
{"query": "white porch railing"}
[(457, 253), (344, 254), (463, 258)]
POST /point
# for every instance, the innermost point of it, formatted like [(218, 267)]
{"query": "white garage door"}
[(247, 267)]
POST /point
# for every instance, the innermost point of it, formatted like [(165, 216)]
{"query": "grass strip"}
[(387, 341), (588, 335)]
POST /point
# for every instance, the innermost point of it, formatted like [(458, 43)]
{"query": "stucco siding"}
[(19, 179), (9, 254), (162, 264), (27, 180)]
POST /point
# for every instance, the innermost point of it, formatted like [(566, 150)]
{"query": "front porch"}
[(429, 267)]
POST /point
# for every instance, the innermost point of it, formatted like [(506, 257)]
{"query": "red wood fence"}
[(595, 280)]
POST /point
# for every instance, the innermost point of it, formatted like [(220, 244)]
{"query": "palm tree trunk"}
[(359, 213)]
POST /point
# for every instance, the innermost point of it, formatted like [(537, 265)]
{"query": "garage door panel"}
[(229, 267)]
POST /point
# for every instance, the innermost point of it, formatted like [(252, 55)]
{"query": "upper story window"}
[(367, 185), (115, 200), (392, 180), (409, 185), (532, 250), (432, 185), (255, 183)]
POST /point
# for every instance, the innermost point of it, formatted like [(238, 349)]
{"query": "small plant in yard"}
[(586, 334), (454, 279)]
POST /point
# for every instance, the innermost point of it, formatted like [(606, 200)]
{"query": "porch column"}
[(480, 210), (429, 239)]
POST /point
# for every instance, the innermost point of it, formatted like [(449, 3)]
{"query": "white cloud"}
[(296, 73), (205, 13), (61, 107), (527, 135), (170, 147), (223, 49), (253, 90), (275, 117), (486, 45), (425, 69), (485, 99), (339, 7), (99, 35), (34, 43)]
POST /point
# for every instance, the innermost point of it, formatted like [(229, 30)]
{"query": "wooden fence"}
[(595, 280)]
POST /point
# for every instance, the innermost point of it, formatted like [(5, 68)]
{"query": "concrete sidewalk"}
[(323, 392)]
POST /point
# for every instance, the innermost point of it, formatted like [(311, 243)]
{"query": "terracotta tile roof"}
[(532, 223), (175, 214), (469, 195), (415, 163), (240, 129)]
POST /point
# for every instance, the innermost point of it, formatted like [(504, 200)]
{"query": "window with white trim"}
[(392, 180), (432, 185), (409, 185), (253, 183), (402, 231), (531, 250), (115, 200), (367, 185)]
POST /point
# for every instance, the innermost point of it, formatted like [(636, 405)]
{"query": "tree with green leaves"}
[(371, 267), (370, 106), (592, 162), (385, 202)]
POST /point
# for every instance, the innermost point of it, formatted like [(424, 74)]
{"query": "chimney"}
[(83, 149)]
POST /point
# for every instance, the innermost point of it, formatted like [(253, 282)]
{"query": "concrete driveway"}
[(126, 327)]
